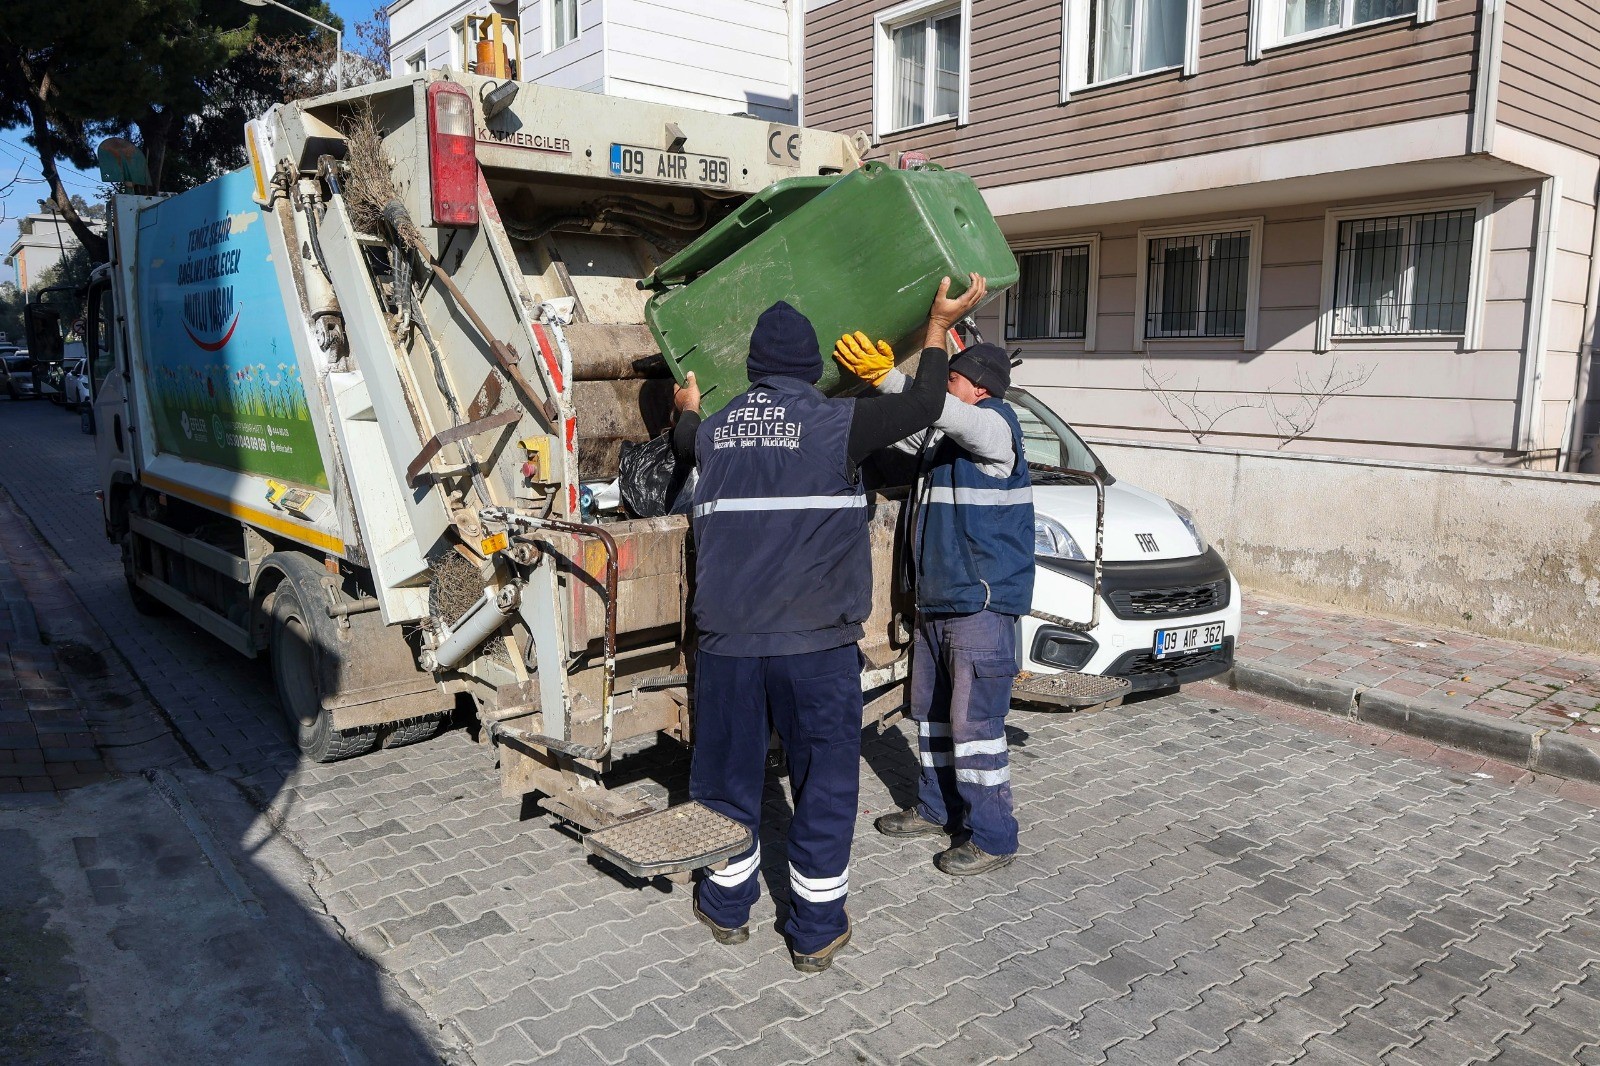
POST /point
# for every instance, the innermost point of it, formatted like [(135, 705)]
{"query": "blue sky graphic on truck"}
[(220, 364)]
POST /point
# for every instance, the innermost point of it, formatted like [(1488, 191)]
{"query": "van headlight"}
[(1051, 539), (1186, 516)]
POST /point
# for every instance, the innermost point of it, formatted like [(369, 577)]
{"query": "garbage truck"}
[(358, 404)]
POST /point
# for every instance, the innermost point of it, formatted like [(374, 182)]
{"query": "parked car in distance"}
[(74, 384), (1169, 610), (16, 375), (50, 380)]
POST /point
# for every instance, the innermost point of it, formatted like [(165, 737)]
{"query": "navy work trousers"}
[(962, 667), (814, 702)]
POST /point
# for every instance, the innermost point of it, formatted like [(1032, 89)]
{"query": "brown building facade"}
[(1354, 227)]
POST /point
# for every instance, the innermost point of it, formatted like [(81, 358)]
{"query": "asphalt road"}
[(1200, 879)]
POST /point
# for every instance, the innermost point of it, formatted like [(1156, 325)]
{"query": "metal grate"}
[(684, 837), (1168, 603), (1404, 274), (1051, 297), (1197, 285), (1069, 689)]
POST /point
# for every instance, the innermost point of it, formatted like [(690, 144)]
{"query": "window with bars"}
[(1051, 297), (925, 69), (1404, 274), (1197, 285)]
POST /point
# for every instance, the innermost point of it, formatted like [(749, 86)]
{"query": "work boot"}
[(968, 859), (720, 933), (820, 960), (908, 823)]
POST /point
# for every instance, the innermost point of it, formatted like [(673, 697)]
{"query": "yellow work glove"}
[(869, 362)]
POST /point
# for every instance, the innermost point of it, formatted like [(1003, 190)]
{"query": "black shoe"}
[(722, 934), (818, 961), (969, 859), (908, 823)]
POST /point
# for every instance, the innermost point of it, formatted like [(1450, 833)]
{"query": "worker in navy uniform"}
[(972, 548), (783, 584)]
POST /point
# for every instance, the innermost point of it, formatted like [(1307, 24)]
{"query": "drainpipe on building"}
[(797, 58), (1572, 440)]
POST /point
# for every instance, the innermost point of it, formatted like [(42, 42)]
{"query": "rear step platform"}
[(1069, 691), (674, 841)]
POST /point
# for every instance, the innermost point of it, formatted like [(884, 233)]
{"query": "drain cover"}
[(678, 839), (1069, 691)]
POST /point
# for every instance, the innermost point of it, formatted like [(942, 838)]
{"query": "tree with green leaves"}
[(178, 76)]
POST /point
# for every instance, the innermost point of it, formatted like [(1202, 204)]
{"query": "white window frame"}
[(416, 63), (1075, 23), (1252, 297), (883, 25), (1091, 311), (460, 46), (1482, 231), (549, 20), (1266, 24)]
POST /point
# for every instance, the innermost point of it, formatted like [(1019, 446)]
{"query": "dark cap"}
[(784, 344), (985, 364)]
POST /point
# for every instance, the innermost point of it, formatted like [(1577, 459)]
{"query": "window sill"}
[(1450, 339), (1221, 343), (1316, 36), (1113, 83), (897, 131)]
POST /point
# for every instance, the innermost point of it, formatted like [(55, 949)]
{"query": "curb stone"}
[(1540, 750)]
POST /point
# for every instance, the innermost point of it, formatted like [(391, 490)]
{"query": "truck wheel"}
[(296, 673), (143, 602), (411, 732)]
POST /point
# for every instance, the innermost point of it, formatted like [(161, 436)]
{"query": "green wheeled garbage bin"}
[(860, 251)]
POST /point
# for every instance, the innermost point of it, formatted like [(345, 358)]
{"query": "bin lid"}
[(752, 218)]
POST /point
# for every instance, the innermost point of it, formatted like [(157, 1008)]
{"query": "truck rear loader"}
[(346, 398)]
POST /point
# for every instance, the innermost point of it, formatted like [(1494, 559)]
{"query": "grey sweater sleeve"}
[(984, 434)]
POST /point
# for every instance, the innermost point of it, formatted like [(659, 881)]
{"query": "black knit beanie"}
[(784, 344), (985, 364)]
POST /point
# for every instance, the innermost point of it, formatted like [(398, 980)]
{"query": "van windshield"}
[(1048, 441)]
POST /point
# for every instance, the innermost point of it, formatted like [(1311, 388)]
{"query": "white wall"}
[(726, 56), (578, 64), (1510, 554), (731, 56)]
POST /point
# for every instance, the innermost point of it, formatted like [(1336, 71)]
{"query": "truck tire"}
[(295, 635), (143, 602), (411, 733)]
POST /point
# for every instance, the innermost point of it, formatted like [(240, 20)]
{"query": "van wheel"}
[(296, 672), (143, 602)]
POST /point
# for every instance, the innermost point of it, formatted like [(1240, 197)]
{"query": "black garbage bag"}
[(651, 478)]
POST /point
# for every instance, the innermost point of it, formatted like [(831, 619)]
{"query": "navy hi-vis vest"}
[(975, 536), (783, 565)]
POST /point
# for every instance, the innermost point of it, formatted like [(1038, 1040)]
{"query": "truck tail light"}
[(452, 155)]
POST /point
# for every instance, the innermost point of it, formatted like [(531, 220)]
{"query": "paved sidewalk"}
[(45, 740), (1543, 687), (1535, 707), (70, 712)]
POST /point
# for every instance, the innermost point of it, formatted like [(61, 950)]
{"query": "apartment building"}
[(42, 239), (1347, 227), (726, 56)]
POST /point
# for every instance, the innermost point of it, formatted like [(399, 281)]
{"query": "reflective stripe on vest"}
[(969, 497), (780, 503)]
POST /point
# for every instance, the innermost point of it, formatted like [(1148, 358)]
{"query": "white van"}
[(1168, 610)]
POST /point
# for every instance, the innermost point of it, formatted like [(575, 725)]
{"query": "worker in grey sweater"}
[(970, 537)]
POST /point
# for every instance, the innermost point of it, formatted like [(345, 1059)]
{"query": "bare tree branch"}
[(1198, 417), (1298, 413)]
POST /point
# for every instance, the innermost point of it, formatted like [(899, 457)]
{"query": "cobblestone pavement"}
[(1202, 878), (1542, 687), (47, 742)]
